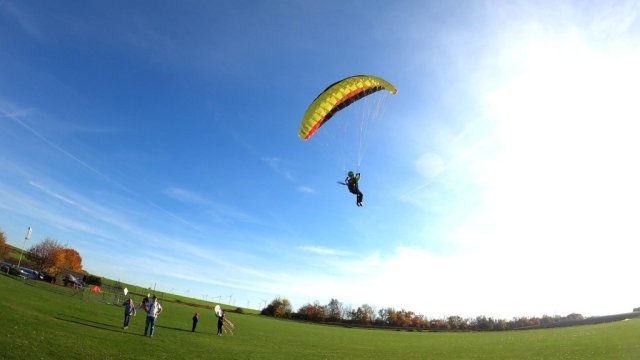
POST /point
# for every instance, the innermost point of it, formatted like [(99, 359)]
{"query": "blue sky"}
[(159, 139)]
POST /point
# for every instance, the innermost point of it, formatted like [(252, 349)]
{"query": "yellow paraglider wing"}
[(337, 97)]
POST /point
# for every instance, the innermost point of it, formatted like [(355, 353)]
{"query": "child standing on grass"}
[(129, 309), (195, 322)]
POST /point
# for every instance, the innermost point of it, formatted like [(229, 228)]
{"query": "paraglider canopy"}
[(338, 96)]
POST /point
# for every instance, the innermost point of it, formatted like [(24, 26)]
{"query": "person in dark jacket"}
[(220, 322), (352, 183), (129, 310), (144, 301), (195, 322)]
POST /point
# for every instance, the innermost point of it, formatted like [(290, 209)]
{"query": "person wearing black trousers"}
[(352, 183), (195, 322), (220, 323)]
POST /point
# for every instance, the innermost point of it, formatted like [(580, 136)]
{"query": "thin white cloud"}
[(52, 193), (306, 189), (184, 195), (27, 24), (18, 113), (320, 250), (616, 20), (220, 213), (276, 165), (414, 190), (91, 168), (429, 165)]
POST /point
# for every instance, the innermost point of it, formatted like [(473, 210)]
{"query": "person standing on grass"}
[(220, 322), (144, 301), (153, 309), (129, 309), (195, 322)]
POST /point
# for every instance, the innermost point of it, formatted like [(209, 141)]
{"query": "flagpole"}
[(23, 245)]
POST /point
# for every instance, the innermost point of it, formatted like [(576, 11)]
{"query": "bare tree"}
[(383, 315), (320, 311), (456, 322), (44, 253), (364, 314), (334, 310), (347, 312)]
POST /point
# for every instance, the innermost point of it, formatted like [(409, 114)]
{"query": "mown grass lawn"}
[(44, 323)]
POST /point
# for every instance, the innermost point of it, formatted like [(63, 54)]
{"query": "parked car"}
[(45, 276), (30, 274), (5, 265), (14, 271), (72, 280)]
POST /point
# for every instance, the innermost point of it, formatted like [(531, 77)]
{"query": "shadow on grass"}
[(94, 324), (110, 327), (172, 328)]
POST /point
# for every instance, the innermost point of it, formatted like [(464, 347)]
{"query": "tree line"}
[(367, 315)]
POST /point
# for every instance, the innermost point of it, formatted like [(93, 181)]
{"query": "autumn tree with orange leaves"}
[(4, 248), (53, 257), (67, 259)]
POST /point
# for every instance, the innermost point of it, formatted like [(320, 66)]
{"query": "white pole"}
[(23, 245)]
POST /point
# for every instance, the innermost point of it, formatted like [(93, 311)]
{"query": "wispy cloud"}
[(58, 148), (221, 213), (184, 195), (16, 113), (27, 24), (429, 165), (306, 189), (64, 209), (414, 190), (321, 251), (89, 167), (277, 166), (52, 193)]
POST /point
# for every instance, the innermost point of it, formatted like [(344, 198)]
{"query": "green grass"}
[(45, 323), (14, 253)]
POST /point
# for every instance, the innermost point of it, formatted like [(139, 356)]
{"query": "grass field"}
[(45, 323), (14, 252)]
